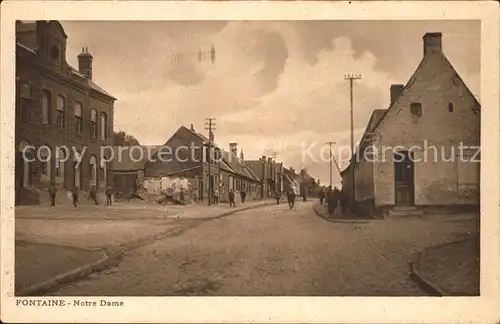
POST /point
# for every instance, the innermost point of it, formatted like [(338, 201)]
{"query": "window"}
[(103, 171), (93, 169), (468, 169), (93, 123), (45, 159), (60, 105), (230, 182), (450, 107), (78, 117), (46, 107), (416, 109), (25, 100), (60, 164), (104, 127)]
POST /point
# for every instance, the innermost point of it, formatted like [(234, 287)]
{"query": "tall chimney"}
[(85, 63), (396, 91), (432, 43), (234, 148), (263, 158), (192, 127)]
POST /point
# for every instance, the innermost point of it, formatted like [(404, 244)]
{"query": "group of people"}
[(290, 195), (231, 196), (334, 197), (75, 193)]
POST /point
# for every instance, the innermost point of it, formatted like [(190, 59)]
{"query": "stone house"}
[(270, 173), (57, 106), (420, 153), (291, 181), (186, 154)]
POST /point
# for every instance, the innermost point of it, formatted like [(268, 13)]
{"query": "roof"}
[(256, 166), (92, 84), (238, 166), (132, 158)]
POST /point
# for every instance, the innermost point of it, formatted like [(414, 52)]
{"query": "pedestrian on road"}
[(93, 195), (109, 196), (291, 198), (181, 196), (333, 200), (216, 196), (278, 197), (74, 195), (231, 198), (304, 198), (321, 196), (243, 194), (52, 194)]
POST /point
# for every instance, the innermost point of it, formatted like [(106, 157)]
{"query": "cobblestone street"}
[(275, 251)]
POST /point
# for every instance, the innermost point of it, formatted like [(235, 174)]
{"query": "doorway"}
[(404, 179)]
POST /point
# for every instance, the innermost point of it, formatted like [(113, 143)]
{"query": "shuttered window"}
[(468, 169)]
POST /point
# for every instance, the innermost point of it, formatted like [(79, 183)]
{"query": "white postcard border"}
[(266, 309)]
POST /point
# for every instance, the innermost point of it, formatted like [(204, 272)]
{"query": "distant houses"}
[(434, 109), (185, 155)]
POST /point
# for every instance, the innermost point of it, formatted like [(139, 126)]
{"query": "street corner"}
[(51, 261), (449, 269)]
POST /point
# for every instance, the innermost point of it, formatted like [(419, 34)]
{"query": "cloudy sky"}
[(275, 86)]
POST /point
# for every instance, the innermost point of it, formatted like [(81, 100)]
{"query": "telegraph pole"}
[(331, 160), (210, 126), (351, 77), (274, 155)]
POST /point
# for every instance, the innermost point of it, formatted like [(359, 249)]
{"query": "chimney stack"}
[(192, 127), (85, 63), (234, 148), (396, 91), (292, 170), (263, 158), (432, 43)]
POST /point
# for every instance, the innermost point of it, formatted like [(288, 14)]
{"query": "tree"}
[(123, 139)]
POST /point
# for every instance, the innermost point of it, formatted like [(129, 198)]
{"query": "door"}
[(404, 181)]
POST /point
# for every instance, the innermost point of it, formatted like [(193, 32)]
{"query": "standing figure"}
[(278, 197), (93, 195), (291, 198), (216, 196), (74, 195), (181, 196), (243, 195), (231, 198), (321, 197), (52, 194), (109, 196)]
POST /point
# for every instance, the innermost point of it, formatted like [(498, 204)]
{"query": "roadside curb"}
[(112, 259), (424, 283), (66, 277), (339, 220)]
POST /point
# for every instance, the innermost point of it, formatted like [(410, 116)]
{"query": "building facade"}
[(433, 128), (57, 106)]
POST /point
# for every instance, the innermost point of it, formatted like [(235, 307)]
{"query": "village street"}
[(275, 251)]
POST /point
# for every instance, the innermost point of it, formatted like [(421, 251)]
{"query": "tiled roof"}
[(238, 166), (130, 159), (256, 166)]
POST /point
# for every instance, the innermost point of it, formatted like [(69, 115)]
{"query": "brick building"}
[(435, 109), (57, 106), (270, 174)]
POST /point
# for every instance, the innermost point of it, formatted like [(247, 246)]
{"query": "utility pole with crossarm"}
[(210, 126)]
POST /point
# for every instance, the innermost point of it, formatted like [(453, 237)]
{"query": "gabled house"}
[(186, 155), (291, 180), (238, 175), (270, 174), (412, 155)]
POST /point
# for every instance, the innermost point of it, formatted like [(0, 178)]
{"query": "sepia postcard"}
[(247, 162)]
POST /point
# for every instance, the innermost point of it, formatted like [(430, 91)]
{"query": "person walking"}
[(291, 198), (181, 196), (321, 196), (109, 196), (231, 198), (93, 195), (277, 196), (216, 196), (74, 195), (243, 195), (52, 194)]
